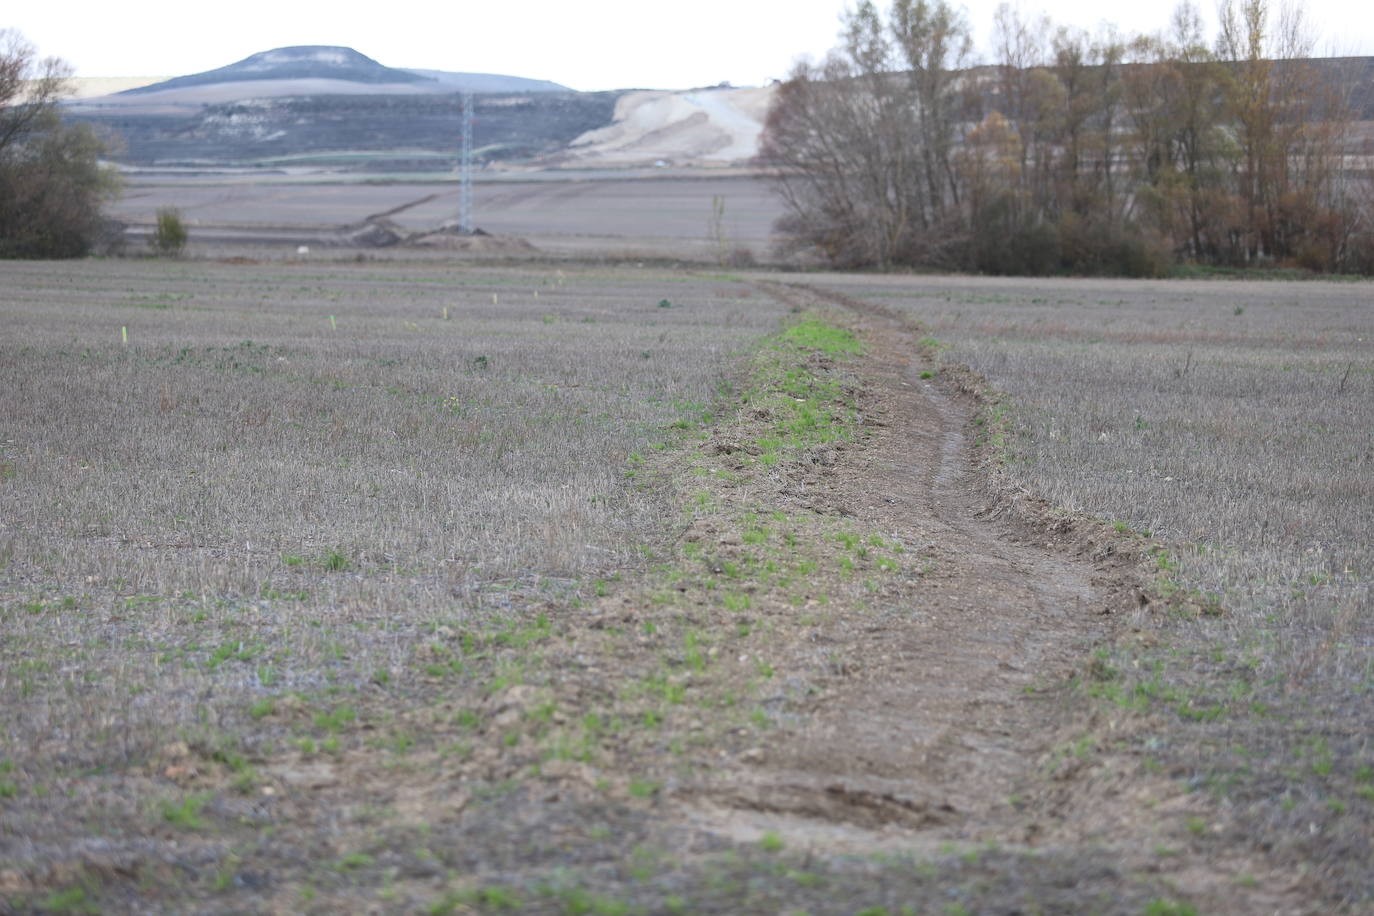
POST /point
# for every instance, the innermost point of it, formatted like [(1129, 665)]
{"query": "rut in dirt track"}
[(936, 730)]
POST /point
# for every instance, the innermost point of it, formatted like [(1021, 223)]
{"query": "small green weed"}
[(335, 720), (335, 561), (815, 334), (353, 861), (69, 900), (1162, 907), (735, 601), (186, 813)]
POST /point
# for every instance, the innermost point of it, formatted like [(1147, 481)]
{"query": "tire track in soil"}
[(931, 737)]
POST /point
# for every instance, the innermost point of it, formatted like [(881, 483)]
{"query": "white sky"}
[(593, 44)]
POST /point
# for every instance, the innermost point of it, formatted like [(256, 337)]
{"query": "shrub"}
[(1026, 251), (170, 235)]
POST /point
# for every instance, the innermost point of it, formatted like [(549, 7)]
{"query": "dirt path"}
[(386, 214), (929, 740), (944, 738)]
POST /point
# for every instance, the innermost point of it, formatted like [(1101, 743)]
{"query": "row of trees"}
[(1072, 152), (52, 184)]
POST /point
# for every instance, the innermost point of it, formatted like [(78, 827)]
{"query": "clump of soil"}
[(375, 232), (477, 241), (381, 232)]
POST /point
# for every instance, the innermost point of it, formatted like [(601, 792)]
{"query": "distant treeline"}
[(1075, 153)]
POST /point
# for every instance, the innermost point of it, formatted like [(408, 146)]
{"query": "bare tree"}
[(863, 142), (1072, 152), (51, 182), (29, 89), (935, 44)]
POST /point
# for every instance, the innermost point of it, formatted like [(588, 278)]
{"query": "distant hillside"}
[(90, 87), (312, 102), (365, 132), (320, 102), (316, 70), (294, 63), (489, 82)]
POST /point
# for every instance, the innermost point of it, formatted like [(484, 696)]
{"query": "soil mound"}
[(375, 232), (381, 232), (477, 241)]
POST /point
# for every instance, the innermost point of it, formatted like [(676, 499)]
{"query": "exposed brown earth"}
[(946, 733), (935, 730)]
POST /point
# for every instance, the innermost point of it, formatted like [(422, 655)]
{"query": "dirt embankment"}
[(710, 127)]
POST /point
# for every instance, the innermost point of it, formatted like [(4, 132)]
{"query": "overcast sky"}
[(594, 44)]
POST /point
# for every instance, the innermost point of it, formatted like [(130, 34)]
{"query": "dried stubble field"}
[(595, 215), (1233, 424), (290, 470), (285, 577)]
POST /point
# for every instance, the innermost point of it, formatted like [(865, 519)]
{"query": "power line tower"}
[(465, 170)]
